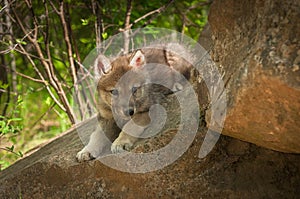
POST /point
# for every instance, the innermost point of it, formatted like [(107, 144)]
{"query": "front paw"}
[(84, 155), (119, 146)]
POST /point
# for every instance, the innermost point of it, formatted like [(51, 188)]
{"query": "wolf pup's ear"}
[(101, 66), (137, 60)]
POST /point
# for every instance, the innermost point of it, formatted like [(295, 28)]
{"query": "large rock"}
[(235, 169), (257, 44)]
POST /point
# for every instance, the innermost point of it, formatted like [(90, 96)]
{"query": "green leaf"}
[(20, 153), (186, 29), (5, 129), (16, 119), (104, 35), (11, 149), (20, 41), (84, 22), (40, 39), (48, 101), (20, 100), (3, 86), (84, 40)]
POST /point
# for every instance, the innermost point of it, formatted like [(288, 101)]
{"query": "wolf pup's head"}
[(120, 82)]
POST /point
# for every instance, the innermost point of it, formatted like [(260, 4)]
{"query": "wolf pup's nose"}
[(129, 112)]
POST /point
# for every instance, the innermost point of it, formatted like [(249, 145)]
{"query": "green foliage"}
[(9, 128), (3, 86)]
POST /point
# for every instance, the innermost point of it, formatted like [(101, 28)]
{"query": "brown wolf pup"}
[(127, 89)]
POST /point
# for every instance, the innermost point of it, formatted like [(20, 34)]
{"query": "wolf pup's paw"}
[(119, 146), (84, 155)]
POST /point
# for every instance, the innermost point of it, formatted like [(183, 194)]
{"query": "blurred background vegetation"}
[(42, 46)]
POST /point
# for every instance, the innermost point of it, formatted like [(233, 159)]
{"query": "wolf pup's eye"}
[(134, 89), (114, 92)]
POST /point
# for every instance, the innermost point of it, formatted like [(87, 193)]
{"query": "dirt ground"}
[(234, 169)]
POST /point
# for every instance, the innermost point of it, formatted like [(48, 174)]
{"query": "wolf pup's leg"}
[(100, 141), (93, 148), (136, 126)]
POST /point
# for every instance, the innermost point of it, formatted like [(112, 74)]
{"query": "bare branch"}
[(70, 53), (13, 47), (43, 79), (54, 8), (7, 5), (48, 68), (153, 12), (22, 26), (30, 78), (128, 14), (4, 7), (68, 42), (5, 91), (5, 149), (159, 10), (127, 26), (42, 116), (98, 23)]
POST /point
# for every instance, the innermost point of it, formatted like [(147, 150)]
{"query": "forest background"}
[(42, 47)]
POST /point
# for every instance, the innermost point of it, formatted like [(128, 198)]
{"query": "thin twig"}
[(3, 8), (158, 11), (10, 92), (43, 115), (5, 149), (28, 77)]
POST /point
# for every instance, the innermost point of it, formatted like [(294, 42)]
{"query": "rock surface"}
[(234, 169), (257, 45)]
